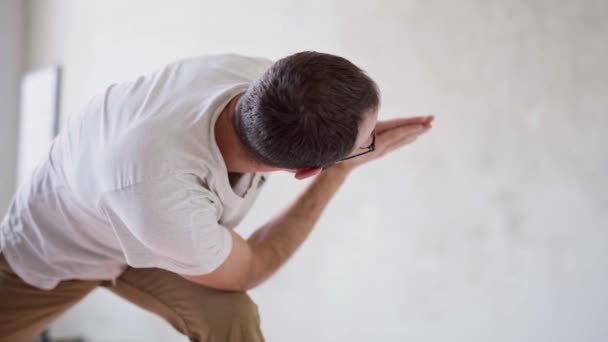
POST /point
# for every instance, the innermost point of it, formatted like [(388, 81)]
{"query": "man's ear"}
[(306, 173)]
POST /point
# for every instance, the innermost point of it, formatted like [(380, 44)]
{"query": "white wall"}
[(493, 227), (12, 26)]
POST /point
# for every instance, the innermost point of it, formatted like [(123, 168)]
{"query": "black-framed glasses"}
[(368, 149)]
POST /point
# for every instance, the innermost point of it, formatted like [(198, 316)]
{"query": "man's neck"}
[(230, 147)]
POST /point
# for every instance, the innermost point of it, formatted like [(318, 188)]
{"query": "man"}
[(140, 192)]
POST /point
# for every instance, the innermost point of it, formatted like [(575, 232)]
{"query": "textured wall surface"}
[(494, 227)]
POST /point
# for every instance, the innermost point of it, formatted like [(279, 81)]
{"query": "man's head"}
[(308, 110)]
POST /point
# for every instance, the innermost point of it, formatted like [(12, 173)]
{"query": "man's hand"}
[(391, 135)]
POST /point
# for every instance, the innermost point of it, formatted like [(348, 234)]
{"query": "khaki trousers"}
[(201, 313)]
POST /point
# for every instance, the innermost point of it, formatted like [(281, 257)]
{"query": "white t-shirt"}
[(136, 179)]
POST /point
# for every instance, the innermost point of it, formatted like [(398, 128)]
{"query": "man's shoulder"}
[(248, 67), (229, 59)]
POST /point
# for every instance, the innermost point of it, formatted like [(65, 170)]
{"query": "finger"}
[(391, 124), (403, 140), (401, 143), (394, 123), (395, 139), (388, 137)]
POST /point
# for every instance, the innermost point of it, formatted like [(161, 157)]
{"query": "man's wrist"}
[(338, 171)]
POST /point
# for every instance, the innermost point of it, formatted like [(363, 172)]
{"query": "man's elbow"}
[(234, 282), (239, 286), (241, 271)]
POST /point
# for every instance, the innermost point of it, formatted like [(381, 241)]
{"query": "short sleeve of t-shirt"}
[(169, 223)]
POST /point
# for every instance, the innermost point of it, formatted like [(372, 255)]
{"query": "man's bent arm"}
[(253, 260)]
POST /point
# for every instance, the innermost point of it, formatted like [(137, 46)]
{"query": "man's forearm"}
[(277, 240)]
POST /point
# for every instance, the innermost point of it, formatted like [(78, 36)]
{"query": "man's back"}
[(153, 133)]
